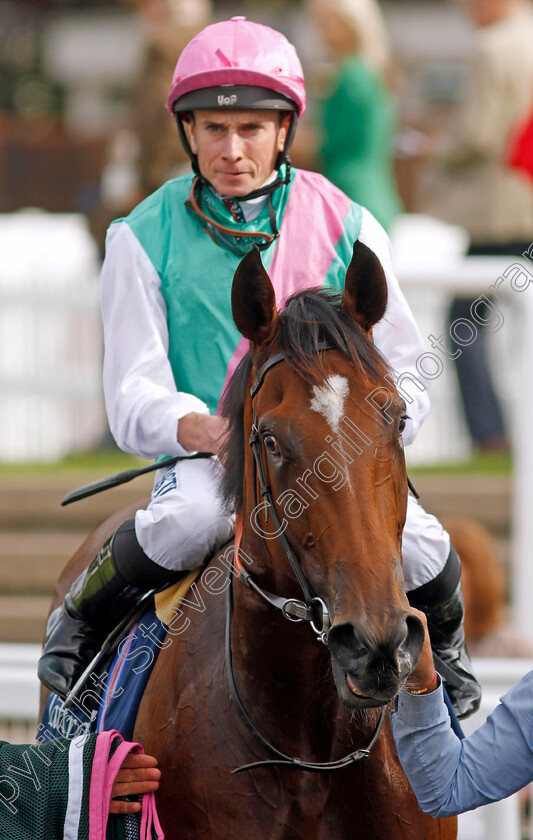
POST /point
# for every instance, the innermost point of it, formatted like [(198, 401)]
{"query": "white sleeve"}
[(142, 402), (397, 335)]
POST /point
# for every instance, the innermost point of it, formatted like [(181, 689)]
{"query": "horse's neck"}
[(276, 662)]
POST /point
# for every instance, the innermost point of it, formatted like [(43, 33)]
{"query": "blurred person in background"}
[(169, 26), (481, 192), (145, 154), (358, 119)]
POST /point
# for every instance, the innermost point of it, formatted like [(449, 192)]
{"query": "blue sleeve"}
[(450, 776)]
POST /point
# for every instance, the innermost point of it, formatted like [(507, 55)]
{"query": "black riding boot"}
[(97, 601), (442, 601)]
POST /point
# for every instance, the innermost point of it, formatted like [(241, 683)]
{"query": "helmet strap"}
[(267, 189), (187, 146)]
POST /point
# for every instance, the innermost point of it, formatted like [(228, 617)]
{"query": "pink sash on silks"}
[(311, 227), (103, 776)]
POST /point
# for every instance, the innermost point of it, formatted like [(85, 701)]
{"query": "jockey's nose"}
[(233, 146)]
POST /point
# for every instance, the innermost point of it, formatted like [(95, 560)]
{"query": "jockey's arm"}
[(143, 405), (397, 335)]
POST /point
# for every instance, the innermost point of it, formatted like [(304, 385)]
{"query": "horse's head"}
[(329, 435)]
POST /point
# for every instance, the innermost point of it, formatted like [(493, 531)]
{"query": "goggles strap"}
[(194, 202)]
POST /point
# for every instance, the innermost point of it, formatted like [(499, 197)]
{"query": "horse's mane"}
[(310, 318)]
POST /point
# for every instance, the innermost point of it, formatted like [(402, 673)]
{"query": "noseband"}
[(313, 610)]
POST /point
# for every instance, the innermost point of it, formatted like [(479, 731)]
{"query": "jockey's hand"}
[(423, 675), (202, 432), (138, 774)]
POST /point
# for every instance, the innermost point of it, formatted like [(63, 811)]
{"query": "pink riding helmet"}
[(238, 52)]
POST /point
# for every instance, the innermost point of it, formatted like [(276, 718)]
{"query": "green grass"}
[(494, 463), (101, 462)]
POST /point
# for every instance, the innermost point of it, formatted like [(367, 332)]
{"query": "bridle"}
[(313, 609)]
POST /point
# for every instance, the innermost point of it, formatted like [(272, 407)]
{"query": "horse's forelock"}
[(312, 318), (309, 319)]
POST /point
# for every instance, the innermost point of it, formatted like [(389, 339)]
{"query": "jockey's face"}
[(237, 150)]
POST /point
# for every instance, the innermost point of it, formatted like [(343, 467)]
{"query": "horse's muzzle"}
[(369, 672)]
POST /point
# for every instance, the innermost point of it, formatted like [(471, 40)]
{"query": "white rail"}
[(50, 337), (429, 262)]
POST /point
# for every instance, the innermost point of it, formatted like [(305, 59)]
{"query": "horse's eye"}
[(401, 425), (271, 445)]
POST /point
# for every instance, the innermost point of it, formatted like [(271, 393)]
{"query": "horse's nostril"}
[(352, 650), (346, 646), (415, 636), (401, 638)]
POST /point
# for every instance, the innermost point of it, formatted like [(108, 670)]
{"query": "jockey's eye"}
[(402, 422), (271, 445)]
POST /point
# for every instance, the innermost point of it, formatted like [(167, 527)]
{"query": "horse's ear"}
[(365, 288), (253, 301)]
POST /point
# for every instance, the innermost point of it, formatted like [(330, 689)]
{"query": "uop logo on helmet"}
[(227, 100)]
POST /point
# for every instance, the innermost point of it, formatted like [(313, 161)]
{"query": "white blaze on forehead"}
[(329, 399)]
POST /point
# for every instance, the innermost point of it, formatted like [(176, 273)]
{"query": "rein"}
[(313, 610), (281, 758)]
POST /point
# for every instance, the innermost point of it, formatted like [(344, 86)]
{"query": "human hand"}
[(422, 678), (202, 432), (138, 774)]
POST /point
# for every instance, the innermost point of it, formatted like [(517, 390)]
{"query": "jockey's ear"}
[(365, 289), (253, 301)]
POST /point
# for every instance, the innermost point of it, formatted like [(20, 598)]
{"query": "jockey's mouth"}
[(233, 173)]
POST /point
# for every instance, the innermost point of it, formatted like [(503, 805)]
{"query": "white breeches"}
[(186, 521), (425, 546)]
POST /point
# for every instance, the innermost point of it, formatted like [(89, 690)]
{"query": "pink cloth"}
[(239, 52), (103, 775), (312, 224)]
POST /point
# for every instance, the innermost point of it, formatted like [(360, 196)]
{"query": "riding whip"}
[(127, 475)]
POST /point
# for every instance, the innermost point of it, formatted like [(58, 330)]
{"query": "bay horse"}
[(287, 667)]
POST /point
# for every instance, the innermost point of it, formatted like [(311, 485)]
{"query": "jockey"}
[(171, 344)]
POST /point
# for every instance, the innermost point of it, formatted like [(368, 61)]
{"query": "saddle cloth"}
[(111, 698)]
